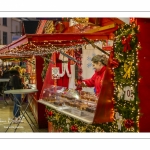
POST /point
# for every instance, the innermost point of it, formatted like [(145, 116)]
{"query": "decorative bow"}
[(82, 129), (127, 69), (57, 117), (126, 43)]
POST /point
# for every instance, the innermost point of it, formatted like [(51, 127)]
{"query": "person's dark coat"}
[(15, 80), (6, 74)]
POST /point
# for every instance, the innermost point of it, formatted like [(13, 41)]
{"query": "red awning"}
[(42, 42)]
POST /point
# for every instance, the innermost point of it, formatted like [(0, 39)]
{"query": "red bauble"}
[(128, 123), (74, 128), (50, 113)]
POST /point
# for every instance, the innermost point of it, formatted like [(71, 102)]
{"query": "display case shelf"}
[(70, 111), (80, 105)]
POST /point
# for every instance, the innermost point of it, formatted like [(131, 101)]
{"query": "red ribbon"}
[(126, 43), (113, 62)]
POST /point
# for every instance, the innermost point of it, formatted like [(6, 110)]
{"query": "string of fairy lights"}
[(32, 48), (126, 78)]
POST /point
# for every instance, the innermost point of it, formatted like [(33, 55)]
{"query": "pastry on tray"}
[(46, 98), (52, 100), (83, 106), (59, 103), (91, 109), (67, 103)]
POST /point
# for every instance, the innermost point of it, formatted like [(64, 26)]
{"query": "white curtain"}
[(72, 78)]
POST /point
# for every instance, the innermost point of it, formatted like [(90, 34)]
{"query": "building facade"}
[(10, 30)]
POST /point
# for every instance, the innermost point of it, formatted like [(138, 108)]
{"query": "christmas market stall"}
[(40, 45), (117, 108), (31, 67), (67, 51), (122, 105)]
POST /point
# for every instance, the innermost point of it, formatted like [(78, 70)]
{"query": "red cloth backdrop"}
[(63, 81), (144, 72), (48, 78)]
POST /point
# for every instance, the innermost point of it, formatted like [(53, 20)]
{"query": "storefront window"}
[(4, 21), (4, 38)]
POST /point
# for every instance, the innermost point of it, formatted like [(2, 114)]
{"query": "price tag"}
[(128, 93)]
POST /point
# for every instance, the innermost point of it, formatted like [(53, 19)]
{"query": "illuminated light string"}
[(42, 50), (131, 56)]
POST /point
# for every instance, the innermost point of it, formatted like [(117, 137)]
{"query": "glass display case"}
[(81, 105)]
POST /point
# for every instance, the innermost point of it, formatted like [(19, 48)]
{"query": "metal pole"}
[(95, 46)]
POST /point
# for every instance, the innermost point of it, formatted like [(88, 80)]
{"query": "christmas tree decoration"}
[(45, 65), (128, 123), (126, 43), (74, 128), (119, 120), (127, 69), (126, 77), (50, 113), (120, 92)]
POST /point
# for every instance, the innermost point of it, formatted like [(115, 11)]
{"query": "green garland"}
[(69, 124), (126, 47), (126, 115), (15, 59), (45, 66)]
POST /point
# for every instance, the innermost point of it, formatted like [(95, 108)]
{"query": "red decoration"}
[(126, 43), (79, 80), (50, 113), (74, 128), (132, 20), (128, 123), (41, 26), (111, 36), (46, 111), (114, 63)]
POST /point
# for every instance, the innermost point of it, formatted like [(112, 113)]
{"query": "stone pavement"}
[(6, 114)]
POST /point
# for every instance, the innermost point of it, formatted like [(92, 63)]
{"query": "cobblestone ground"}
[(6, 115)]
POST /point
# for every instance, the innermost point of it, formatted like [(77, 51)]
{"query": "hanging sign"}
[(128, 93), (55, 73)]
